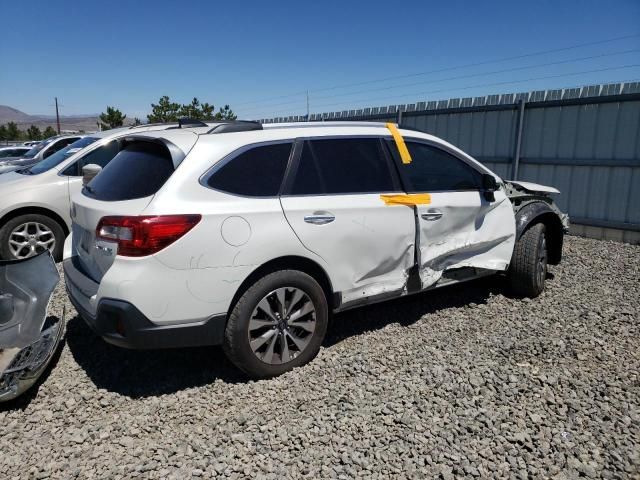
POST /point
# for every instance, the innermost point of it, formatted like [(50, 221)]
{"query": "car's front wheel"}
[(28, 235), (528, 269), (278, 324)]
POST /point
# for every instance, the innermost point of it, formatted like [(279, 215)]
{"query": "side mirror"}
[(489, 185), (90, 171)]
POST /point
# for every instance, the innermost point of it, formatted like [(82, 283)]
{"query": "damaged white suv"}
[(250, 236)]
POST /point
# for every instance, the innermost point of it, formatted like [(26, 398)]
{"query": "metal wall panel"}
[(583, 141)]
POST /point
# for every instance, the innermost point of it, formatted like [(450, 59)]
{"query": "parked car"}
[(34, 205), (13, 152), (32, 143), (251, 239), (38, 152)]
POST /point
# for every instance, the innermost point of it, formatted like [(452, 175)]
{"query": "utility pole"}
[(307, 105), (57, 116)]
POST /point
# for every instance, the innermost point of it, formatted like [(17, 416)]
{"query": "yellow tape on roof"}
[(405, 156), (408, 199)]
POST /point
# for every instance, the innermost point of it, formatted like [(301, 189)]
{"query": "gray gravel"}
[(462, 382)]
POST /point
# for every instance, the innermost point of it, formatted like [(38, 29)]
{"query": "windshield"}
[(34, 151), (60, 156)]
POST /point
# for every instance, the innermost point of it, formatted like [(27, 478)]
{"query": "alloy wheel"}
[(31, 238), (282, 325)]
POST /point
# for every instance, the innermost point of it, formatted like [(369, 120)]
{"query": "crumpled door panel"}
[(28, 340), (468, 232)]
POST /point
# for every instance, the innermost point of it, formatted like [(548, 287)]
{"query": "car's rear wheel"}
[(277, 324), (528, 269), (28, 235)]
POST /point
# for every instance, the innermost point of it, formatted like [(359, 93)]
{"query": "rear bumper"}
[(121, 323)]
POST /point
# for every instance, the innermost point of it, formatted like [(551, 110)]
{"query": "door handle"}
[(432, 215), (319, 219)]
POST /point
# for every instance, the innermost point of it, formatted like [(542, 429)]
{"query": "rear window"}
[(138, 171)]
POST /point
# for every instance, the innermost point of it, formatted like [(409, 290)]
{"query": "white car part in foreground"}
[(28, 339)]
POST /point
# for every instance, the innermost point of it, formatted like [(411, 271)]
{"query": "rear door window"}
[(138, 171), (343, 166), (257, 172)]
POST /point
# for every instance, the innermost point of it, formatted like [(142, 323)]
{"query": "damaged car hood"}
[(28, 339), (534, 187)]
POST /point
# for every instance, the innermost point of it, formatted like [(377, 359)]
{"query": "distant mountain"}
[(87, 123), (8, 114)]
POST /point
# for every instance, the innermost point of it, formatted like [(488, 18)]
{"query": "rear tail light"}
[(145, 235)]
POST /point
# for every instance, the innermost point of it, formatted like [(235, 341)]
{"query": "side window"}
[(51, 150), (433, 169), (59, 145), (343, 165), (100, 156), (257, 172)]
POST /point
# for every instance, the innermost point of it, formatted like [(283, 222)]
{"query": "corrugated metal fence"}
[(583, 141)]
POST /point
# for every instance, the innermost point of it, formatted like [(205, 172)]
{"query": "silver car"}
[(13, 152), (42, 150)]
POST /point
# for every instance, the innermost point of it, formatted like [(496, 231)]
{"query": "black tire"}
[(528, 269), (51, 224), (236, 342)]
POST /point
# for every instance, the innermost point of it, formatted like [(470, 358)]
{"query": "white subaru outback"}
[(250, 236)]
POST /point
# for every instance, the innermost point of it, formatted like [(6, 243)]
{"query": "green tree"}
[(197, 110), (12, 131), (136, 121), (3, 133), (164, 111), (33, 133), (113, 118), (225, 114), (190, 110), (48, 132), (167, 111)]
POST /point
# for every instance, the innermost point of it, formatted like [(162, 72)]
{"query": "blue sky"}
[(128, 54)]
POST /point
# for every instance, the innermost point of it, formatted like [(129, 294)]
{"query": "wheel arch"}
[(541, 212), (291, 262), (37, 211)]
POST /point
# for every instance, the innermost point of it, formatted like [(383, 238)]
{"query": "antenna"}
[(57, 116)]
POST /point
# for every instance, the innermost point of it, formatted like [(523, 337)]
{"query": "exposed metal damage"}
[(28, 339), (524, 194)]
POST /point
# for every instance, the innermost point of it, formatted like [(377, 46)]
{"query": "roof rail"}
[(150, 125), (340, 123), (194, 122), (236, 126)]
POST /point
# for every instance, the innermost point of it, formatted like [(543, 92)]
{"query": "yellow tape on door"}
[(405, 156), (408, 199)]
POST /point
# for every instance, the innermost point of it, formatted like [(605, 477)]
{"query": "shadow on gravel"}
[(144, 373)]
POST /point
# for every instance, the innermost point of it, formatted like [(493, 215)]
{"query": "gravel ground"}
[(461, 382)]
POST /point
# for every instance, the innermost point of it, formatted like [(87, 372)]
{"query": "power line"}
[(454, 89), (471, 75), (511, 82), (486, 62)]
